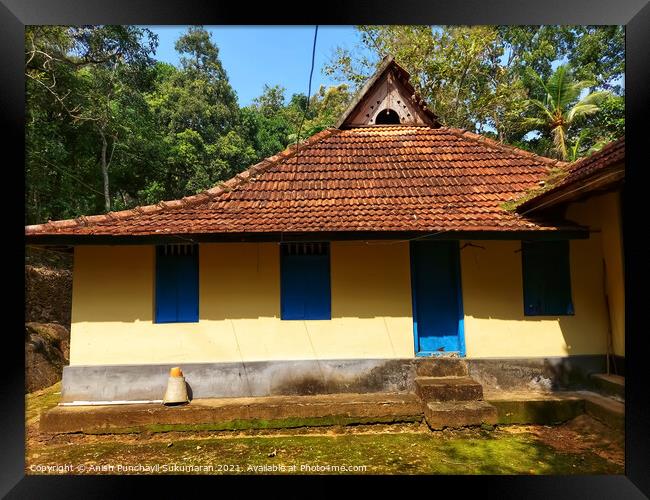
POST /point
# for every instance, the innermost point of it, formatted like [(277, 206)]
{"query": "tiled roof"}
[(600, 169), (379, 178)]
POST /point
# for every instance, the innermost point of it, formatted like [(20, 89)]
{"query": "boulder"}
[(47, 351), (48, 295)]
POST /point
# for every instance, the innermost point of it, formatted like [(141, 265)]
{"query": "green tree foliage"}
[(482, 77), (83, 84), (456, 69), (196, 110), (562, 107), (110, 128), (271, 123)]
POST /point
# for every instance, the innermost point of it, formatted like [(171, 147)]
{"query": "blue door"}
[(437, 305)]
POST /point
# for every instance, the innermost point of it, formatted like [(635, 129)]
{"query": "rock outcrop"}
[(47, 351), (48, 306), (48, 295)]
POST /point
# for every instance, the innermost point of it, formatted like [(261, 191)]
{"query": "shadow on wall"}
[(493, 290), (368, 281)]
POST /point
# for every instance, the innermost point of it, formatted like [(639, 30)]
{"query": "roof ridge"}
[(192, 200), (460, 132)]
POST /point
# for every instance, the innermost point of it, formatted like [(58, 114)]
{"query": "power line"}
[(60, 169), (311, 73)]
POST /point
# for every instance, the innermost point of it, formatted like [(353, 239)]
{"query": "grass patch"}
[(394, 453), (394, 449)]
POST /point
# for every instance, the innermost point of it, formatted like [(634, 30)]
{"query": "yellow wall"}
[(495, 325), (603, 215), (239, 307), (112, 313)]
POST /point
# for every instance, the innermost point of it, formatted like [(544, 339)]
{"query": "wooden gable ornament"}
[(388, 98)]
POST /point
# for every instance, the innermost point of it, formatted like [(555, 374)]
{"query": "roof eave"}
[(568, 232), (601, 181)]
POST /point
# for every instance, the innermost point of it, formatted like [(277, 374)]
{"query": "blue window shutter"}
[(177, 280), (305, 284), (166, 310), (546, 278), (291, 288), (187, 276), (318, 294)]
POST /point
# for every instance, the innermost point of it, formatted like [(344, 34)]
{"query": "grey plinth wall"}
[(271, 378), (259, 378), (546, 374)]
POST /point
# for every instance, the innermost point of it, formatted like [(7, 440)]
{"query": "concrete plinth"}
[(236, 414), (305, 377)]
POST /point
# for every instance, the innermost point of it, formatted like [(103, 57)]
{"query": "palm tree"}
[(562, 106), (575, 150)]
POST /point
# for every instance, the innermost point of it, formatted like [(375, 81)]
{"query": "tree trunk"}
[(107, 196)]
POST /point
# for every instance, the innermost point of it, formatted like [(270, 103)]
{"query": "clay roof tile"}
[(377, 178)]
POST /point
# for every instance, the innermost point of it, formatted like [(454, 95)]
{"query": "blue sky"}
[(277, 55)]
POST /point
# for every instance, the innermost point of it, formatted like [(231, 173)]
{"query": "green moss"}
[(388, 453), (40, 401), (236, 425), (555, 175)]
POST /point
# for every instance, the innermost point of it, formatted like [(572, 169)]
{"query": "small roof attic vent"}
[(387, 117)]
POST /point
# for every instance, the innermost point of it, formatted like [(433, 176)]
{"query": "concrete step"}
[(441, 367), (607, 410), (440, 415), (448, 389), (609, 385), (532, 408), (272, 412)]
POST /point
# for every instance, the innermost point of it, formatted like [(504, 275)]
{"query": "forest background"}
[(110, 127)]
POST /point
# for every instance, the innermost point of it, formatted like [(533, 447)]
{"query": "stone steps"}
[(454, 414), (448, 389), (450, 397), (607, 410), (441, 367), (609, 385)]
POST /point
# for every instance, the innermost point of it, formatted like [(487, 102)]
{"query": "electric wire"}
[(311, 74)]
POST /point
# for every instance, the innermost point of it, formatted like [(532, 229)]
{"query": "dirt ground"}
[(581, 446)]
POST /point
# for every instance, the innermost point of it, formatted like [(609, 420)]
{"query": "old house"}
[(335, 265)]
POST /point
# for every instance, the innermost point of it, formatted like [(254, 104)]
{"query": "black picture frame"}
[(634, 14)]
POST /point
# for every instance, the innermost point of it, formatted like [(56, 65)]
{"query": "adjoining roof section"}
[(602, 171), (380, 179), (387, 89)]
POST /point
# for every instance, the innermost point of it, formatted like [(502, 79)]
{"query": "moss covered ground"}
[(40, 401), (582, 446)]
